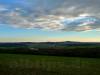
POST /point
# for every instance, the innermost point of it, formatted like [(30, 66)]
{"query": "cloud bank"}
[(65, 15)]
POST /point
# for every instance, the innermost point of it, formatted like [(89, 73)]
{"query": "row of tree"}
[(71, 52)]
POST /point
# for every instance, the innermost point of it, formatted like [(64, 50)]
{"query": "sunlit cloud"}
[(63, 15)]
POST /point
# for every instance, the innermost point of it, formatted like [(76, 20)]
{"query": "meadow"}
[(18, 64)]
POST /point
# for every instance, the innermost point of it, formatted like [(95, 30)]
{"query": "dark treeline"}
[(75, 51)]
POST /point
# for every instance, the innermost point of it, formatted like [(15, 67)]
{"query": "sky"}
[(49, 20)]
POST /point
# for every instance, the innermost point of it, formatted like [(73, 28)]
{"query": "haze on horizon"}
[(49, 20)]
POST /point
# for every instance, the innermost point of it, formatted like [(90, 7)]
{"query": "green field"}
[(17, 64)]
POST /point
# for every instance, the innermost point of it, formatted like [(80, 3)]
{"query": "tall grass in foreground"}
[(13, 64)]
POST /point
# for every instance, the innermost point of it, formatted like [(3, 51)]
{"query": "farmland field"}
[(17, 64)]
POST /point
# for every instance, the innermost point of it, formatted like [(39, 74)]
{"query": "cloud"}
[(65, 15), (81, 23)]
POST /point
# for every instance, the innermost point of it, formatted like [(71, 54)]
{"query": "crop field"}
[(19, 64)]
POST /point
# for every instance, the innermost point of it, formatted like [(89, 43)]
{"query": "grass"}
[(17, 64)]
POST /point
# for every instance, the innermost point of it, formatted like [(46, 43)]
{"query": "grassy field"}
[(17, 64)]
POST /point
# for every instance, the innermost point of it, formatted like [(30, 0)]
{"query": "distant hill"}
[(65, 43)]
